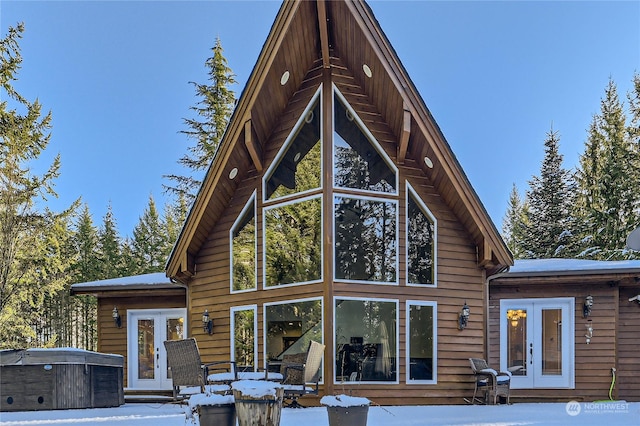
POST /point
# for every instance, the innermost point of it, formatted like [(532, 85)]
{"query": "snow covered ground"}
[(148, 414)]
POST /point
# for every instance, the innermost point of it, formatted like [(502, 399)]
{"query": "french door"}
[(146, 355), (537, 342)]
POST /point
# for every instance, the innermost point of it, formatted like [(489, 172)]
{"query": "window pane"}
[(291, 327), (365, 239), (146, 349), (298, 169), (517, 341), (365, 341), (357, 163), (421, 347), (244, 339), (552, 342), (420, 230), (293, 243), (244, 250)]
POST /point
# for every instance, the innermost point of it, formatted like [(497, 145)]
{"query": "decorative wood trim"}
[(252, 146), (324, 33), (486, 253), (404, 137)]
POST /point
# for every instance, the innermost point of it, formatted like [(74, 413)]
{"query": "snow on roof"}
[(535, 267), (156, 279)]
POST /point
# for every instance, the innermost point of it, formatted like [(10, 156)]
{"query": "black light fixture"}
[(207, 322), (117, 320), (588, 304), (463, 319)]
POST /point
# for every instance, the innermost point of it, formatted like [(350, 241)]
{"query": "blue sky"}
[(495, 75)]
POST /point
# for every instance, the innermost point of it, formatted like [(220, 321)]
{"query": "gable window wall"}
[(366, 209)]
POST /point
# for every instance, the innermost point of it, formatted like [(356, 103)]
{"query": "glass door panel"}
[(552, 342), (517, 347), (146, 342)]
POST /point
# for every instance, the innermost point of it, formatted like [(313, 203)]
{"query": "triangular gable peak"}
[(332, 43)]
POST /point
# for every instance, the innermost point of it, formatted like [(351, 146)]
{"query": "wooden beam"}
[(324, 33), (486, 253), (404, 137), (252, 146)]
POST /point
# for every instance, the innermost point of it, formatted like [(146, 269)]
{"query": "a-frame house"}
[(334, 210)]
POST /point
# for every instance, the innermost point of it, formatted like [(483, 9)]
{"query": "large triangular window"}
[(357, 162), (243, 249), (298, 166), (421, 241)]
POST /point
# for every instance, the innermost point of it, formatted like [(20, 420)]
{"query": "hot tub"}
[(60, 378)]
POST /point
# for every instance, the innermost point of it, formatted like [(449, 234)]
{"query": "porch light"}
[(463, 319), (588, 304), (117, 320), (207, 322)]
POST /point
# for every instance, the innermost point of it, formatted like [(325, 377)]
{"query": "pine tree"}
[(514, 224), (608, 182), (30, 263), (150, 241), (112, 264), (550, 229), (212, 111)]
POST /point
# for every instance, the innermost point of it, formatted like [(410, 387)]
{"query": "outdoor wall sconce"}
[(588, 304), (463, 319), (207, 322), (635, 299), (117, 320), (589, 334)]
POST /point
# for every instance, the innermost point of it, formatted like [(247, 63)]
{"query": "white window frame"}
[(289, 302), (232, 336), (411, 192), (264, 242), (397, 353), (397, 238), (372, 140), (294, 132), (246, 207), (434, 306)]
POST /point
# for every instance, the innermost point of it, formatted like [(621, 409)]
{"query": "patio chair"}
[(301, 378), (187, 369), (489, 381)]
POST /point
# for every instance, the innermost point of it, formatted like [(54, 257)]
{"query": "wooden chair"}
[(187, 369), (301, 378), (489, 381)]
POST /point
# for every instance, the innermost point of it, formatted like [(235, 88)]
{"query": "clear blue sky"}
[(495, 75)]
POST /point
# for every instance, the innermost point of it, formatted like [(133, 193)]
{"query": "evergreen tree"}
[(175, 216), (514, 224), (212, 111), (150, 241), (550, 230), (608, 182), (112, 264), (30, 262)]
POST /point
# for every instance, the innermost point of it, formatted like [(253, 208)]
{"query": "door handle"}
[(157, 358), (530, 353)]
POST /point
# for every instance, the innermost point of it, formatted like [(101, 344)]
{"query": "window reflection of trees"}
[(420, 256), (357, 163), (244, 338), (365, 239), (291, 327), (244, 251), (293, 242), (299, 167)]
